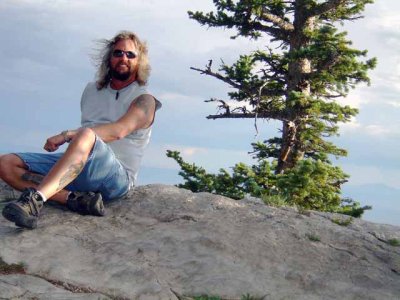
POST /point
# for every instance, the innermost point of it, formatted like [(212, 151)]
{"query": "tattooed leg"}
[(70, 164), (32, 177), (36, 179), (15, 173), (72, 172)]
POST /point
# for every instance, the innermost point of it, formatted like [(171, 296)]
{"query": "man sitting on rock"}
[(103, 156)]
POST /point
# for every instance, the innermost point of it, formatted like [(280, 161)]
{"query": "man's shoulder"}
[(135, 86), (144, 97), (92, 85), (134, 90), (142, 92)]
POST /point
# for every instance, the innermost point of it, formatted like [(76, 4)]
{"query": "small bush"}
[(341, 222), (274, 200), (244, 297), (310, 185), (249, 297), (313, 237), (205, 297), (394, 242), (11, 268)]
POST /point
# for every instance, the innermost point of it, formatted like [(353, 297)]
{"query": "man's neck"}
[(118, 84)]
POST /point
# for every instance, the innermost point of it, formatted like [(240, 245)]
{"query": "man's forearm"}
[(110, 132), (69, 134), (107, 132)]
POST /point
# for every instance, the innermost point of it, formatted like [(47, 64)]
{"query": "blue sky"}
[(45, 56)]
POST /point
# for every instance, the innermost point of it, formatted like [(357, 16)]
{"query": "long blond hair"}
[(102, 59)]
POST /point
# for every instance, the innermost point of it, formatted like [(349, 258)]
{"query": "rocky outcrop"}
[(168, 243)]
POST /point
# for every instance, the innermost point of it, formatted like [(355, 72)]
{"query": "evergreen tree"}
[(307, 63)]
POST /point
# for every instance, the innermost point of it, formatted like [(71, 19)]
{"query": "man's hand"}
[(54, 142)]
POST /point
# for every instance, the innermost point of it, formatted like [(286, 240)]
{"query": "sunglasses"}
[(120, 53)]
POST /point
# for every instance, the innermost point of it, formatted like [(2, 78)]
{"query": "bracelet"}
[(65, 135)]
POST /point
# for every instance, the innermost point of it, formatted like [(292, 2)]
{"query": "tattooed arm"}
[(139, 115)]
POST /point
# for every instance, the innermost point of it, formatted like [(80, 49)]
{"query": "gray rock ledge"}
[(162, 242)]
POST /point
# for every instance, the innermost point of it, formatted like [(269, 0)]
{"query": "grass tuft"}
[(394, 242), (341, 222), (6, 269), (244, 297), (249, 297), (274, 200), (313, 237), (205, 297)]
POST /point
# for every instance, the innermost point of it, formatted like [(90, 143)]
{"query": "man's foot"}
[(25, 211), (86, 203)]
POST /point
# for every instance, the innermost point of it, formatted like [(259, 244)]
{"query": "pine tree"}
[(306, 65)]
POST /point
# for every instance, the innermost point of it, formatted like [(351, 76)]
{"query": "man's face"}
[(122, 67)]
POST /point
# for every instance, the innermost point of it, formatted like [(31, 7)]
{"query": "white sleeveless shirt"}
[(107, 105)]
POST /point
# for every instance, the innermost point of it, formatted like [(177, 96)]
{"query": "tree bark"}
[(292, 148)]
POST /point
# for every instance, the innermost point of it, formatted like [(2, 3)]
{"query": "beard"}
[(122, 76)]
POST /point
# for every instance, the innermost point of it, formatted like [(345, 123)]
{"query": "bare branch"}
[(243, 109), (327, 6), (223, 105), (254, 91), (258, 105), (277, 21), (208, 71), (263, 115), (334, 96), (275, 32)]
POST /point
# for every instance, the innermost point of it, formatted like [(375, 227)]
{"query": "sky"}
[(46, 49)]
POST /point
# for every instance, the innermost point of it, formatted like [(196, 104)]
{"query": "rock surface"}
[(167, 243)]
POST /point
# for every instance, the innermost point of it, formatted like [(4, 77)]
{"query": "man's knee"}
[(86, 132), (8, 163), (85, 136)]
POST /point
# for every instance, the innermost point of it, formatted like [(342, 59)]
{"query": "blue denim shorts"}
[(102, 173)]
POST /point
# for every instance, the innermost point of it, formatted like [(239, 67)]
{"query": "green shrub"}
[(394, 242), (204, 297), (313, 237), (11, 268), (311, 185), (342, 222)]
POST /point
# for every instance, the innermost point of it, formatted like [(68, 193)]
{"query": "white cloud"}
[(188, 152), (212, 159), (387, 75), (395, 104), (353, 99), (384, 131), (383, 15), (19, 69), (155, 155), (24, 63), (350, 126), (174, 96), (377, 130), (30, 139), (388, 20), (360, 175), (374, 130)]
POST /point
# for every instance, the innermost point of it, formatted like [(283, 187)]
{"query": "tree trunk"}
[(292, 147)]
